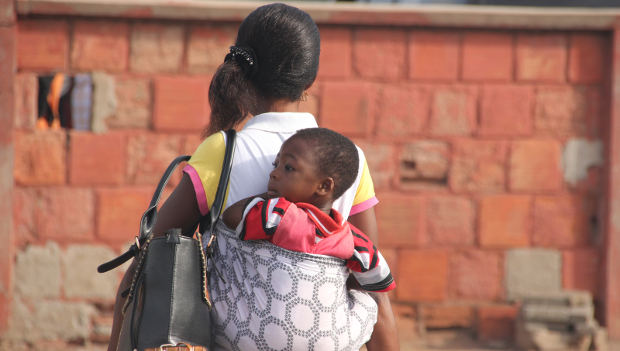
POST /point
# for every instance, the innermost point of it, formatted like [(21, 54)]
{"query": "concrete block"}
[(532, 271), (37, 271), (578, 156), (79, 264), (104, 101), (560, 298), (49, 320), (558, 314)]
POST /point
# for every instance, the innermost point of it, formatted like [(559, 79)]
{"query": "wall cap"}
[(472, 16)]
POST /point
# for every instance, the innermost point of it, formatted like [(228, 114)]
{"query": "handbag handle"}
[(148, 218), (222, 186)]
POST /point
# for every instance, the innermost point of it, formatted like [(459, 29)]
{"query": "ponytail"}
[(231, 96)]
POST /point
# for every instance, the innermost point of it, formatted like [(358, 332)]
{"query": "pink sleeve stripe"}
[(201, 197), (363, 206)]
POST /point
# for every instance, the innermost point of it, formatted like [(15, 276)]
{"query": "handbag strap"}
[(148, 218), (208, 221)]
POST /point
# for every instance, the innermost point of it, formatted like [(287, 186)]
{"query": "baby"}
[(313, 168)]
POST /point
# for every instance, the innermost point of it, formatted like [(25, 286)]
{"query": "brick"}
[(56, 214), (568, 111), (8, 38), (531, 272), (119, 211), (581, 270), (348, 107), (403, 110), (80, 282), (149, 155), (562, 221), (156, 48), (450, 221), (40, 158), (26, 95), (133, 98), (181, 103), (100, 45), (38, 269), (7, 12), (447, 316), (478, 166), (541, 57), (434, 55), (535, 165), (453, 111), (427, 272), (336, 53), (587, 58), (24, 213), (97, 159), (380, 53), (496, 323), (476, 274), (207, 47), (381, 162), (506, 110), (504, 221), (401, 220), (487, 56), (423, 162), (42, 45)]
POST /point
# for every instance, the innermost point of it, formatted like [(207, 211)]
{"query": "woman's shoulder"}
[(210, 144)]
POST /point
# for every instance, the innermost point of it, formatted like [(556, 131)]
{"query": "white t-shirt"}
[(257, 145)]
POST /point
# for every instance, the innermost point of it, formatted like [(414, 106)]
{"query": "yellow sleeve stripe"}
[(204, 169), (365, 189)]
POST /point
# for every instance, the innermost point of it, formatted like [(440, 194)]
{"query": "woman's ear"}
[(326, 186)]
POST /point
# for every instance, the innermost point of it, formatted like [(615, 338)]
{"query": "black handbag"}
[(168, 302)]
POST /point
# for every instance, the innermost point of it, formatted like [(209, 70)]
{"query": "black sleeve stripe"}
[(318, 233), (380, 285), (361, 249), (279, 210), (360, 263), (358, 236), (264, 216), (375, 258), (242, 234)]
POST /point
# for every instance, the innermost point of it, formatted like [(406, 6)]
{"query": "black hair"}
[(335, 156), (275, 56)]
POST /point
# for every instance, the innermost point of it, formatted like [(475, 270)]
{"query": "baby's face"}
[(294, 175)]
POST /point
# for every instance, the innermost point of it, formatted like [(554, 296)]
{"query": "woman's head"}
[(283, 44)]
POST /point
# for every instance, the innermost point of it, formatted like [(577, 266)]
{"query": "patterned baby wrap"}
[(271, 298)]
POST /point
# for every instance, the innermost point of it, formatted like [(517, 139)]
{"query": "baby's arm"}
[(368, 266), (234, 214)]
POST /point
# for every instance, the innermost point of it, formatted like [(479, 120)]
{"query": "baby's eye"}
[(274, 164), (289, 168)]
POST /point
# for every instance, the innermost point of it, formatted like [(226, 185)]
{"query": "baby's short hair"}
[(336, 156)]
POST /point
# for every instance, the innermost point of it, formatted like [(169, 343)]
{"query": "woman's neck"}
[(281, 105)]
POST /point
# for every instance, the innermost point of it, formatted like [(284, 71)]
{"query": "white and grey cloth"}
[(271, 298)]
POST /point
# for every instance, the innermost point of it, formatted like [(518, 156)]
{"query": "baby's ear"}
[(326, 186)]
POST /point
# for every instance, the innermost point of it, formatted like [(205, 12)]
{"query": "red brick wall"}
[(464, 132)]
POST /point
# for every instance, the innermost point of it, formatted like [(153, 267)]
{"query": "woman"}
[(273, 62)]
